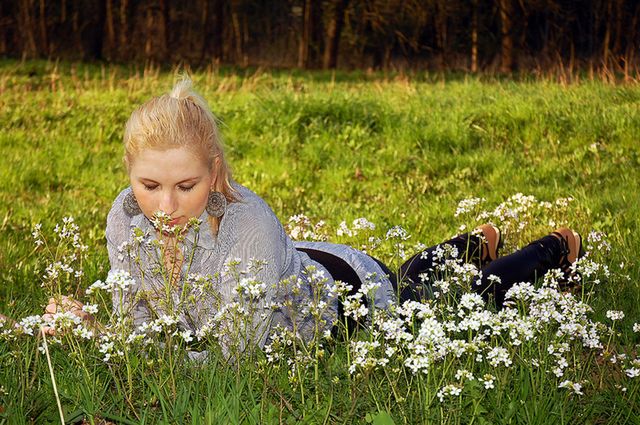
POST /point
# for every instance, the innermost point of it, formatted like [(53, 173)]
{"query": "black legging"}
[(524, 265)]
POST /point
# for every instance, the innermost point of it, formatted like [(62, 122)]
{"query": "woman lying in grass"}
[(185, 222)]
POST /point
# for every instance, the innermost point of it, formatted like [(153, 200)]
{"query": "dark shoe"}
[(491, 244)]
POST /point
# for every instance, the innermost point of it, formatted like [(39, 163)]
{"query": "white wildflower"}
[(499, 355), (451, 390), (343, 230), (633, 372), (468, 205), (397, 232), (186, 336), (615, 315), (363, 224), (488, 381), (90, 308), (576, 387)]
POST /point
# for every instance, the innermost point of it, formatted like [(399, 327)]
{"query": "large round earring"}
[(130, 205), (216, 204)]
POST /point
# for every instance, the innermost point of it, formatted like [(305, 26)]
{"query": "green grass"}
[(393, 149)]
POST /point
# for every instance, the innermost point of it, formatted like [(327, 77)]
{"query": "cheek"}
[(193, 203), (146, 201), (199, 200)]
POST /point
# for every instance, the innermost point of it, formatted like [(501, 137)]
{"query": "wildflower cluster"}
[(360, 234), (521, 218), (64, 270), (453, 343), (300, 227)]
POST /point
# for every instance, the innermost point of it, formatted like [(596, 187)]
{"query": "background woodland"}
[(471, 35)]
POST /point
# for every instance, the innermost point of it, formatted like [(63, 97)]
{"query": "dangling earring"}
[(130, 205), (216, 204)]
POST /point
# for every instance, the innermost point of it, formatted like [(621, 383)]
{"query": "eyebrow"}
[(189, 180)]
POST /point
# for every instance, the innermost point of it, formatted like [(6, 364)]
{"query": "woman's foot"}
[(492, 242), (572, 250)]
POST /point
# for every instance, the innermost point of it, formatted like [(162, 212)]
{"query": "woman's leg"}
[(526, 265), (559, 249), (468, 247)]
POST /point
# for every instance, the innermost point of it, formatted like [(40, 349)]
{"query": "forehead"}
[(174, 164)]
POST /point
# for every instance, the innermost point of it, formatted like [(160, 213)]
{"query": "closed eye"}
[(186, 188), (150, 187)]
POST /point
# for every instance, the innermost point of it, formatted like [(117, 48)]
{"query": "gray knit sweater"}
[(248, 231)]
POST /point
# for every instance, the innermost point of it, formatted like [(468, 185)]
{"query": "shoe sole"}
[(567, 233), (494, 244)]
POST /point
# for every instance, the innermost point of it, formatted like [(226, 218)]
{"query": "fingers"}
[(66, 304), (63, 304), (55, 305), (48, 331), (47, 317)]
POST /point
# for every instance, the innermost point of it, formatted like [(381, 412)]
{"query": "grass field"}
[(396, 149)]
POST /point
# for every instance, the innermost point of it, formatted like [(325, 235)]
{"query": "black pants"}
[(525, 265)]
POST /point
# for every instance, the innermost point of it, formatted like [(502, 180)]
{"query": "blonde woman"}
[(176, 166)]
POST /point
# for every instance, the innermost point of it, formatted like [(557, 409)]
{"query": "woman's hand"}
[(65, 304)]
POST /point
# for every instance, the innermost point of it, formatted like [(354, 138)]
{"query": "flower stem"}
[(53, 378)]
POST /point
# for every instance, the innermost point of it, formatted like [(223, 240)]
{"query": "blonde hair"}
[(179, 119)]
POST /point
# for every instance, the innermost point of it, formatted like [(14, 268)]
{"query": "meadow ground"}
[(395, 149)]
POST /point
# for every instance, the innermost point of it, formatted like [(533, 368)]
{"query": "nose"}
[(168, 202)]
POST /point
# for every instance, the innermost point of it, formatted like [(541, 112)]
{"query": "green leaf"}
[(383, 418)]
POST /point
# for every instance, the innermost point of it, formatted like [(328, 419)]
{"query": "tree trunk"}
[(305, 36), (43, 28), (3, 31), (334, 30), (109, 29), (25, 22), (617, 45), (212, 21), (218, 30), (75, 25), (506, 53), (163, 33), (607, 37), (204, 29), (97, 32), (630, 57), (474, 36), (124, 28), (156, 32), (317, 36), (245, 39), (237, 31), (441, 33)]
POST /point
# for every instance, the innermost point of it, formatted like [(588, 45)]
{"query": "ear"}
[(214, 172)]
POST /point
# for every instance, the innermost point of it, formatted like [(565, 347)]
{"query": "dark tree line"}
[(473, 35)]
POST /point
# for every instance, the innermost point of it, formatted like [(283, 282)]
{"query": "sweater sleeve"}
[(118, 235), (256, 260)]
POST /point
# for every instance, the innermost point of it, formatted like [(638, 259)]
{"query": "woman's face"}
[(174, 181)]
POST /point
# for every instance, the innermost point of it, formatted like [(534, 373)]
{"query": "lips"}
[(174, 222)]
